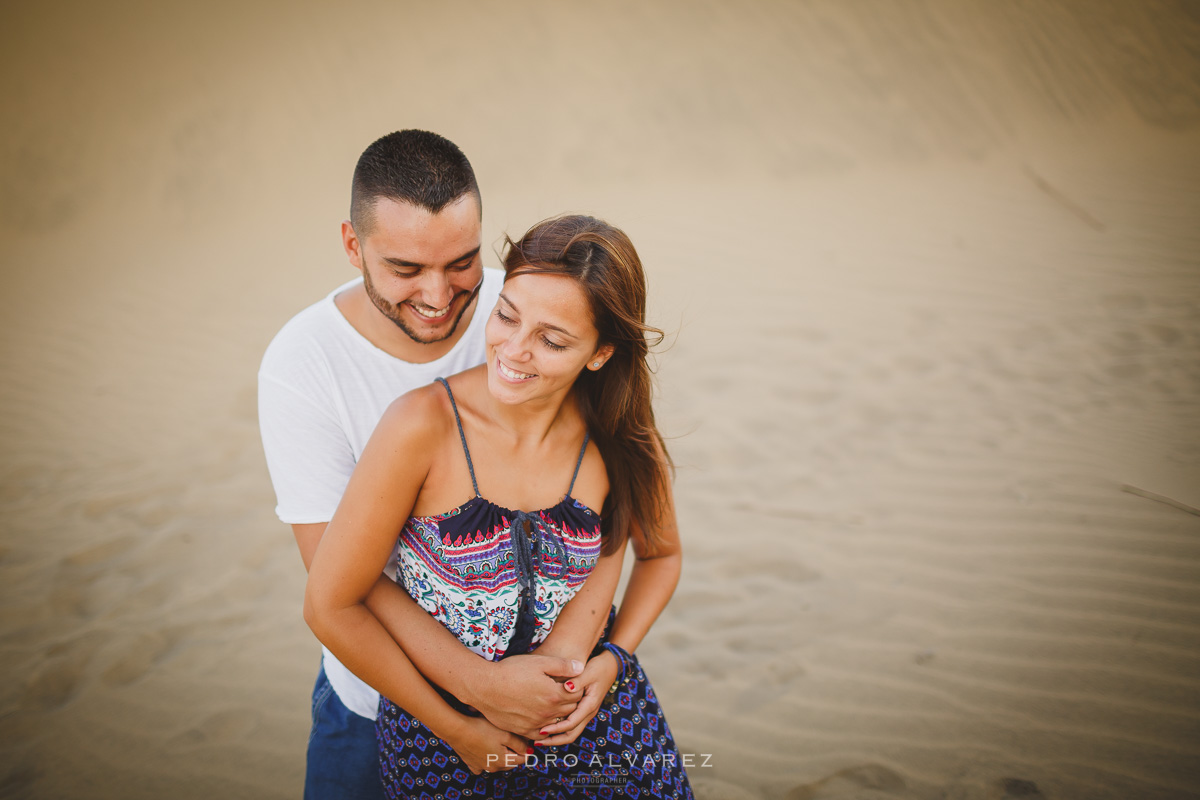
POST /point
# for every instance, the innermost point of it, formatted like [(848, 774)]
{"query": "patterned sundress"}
[(497, 578)]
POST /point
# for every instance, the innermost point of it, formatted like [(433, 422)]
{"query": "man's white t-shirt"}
[(322, 388)]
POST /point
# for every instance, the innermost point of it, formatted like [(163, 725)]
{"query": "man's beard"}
[(393, 311)]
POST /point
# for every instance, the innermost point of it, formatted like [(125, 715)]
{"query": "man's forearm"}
[(431, 647), (355, 636)]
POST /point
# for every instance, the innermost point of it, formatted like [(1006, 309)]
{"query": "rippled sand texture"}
[(932, 271)]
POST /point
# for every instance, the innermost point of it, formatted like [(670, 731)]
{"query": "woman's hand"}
[(596, 680), (525, 693), (485, 748)]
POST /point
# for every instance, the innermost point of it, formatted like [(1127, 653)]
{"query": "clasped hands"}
[(526, 700)]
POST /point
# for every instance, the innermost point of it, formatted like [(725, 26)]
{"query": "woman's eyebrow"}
[(563, 331)]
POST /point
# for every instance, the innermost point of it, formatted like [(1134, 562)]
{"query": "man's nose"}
[(435, 288)]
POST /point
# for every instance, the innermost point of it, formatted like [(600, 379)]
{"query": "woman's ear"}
[(602, 354)]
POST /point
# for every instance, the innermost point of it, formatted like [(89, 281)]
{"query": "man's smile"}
[(431, 313)]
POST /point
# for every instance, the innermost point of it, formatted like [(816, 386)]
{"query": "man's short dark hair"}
[(410, 166)]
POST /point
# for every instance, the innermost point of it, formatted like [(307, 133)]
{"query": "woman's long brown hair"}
[(614, 400)]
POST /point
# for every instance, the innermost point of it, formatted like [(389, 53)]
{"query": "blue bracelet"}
[(618, 654)]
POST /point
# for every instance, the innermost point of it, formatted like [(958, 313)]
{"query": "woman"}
[(563, 402)]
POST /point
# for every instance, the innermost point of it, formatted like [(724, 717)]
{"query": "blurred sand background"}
[(933, 271)]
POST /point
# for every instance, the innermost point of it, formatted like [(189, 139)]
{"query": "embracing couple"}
[(463, 455)]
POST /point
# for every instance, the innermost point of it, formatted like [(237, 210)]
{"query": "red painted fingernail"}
[(529, 751), (570, 686), (543, 733)]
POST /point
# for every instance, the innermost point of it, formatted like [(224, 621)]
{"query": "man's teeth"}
[(511, 374), (431, 313)]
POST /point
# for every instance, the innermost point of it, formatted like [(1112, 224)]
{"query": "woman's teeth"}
[(432, 313), (512, 375)]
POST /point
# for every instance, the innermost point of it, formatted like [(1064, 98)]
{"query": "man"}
[(417, 312)]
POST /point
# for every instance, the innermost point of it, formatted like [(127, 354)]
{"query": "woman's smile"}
[(511, 374)]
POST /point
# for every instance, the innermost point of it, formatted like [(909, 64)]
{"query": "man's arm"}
[(519, 694), (345, 567)]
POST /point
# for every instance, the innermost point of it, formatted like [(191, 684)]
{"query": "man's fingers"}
[(510, 761), (561, 667), (516, 744)]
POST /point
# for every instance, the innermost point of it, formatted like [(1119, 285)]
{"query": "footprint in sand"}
[(104, 551), (865, 782), (785, 570), (1126, 371), (151, 597), (145, 652), (779, 676), (1019, 789), (222, 727), (1164, 334), (706, 788), (1125, 301), (54, 683), (70, 596), (977, 784), (19, 782)]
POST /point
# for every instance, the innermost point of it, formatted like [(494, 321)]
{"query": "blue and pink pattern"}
[(461, 567)]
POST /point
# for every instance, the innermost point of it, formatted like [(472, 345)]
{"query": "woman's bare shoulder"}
[(418, 418)]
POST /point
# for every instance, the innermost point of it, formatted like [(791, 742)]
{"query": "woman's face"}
[(539, 337)]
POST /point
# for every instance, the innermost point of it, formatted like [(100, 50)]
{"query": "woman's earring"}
[(595, 365)]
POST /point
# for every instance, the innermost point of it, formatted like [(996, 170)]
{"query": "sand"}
[(932, 276)]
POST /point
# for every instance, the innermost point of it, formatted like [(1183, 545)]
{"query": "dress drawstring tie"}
[(531, 537)]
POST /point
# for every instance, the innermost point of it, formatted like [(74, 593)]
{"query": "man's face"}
[(421, 270)]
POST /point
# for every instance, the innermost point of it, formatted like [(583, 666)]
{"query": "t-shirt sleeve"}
[(308, 455)]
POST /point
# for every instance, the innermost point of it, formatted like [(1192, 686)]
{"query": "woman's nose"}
[(516, 347)]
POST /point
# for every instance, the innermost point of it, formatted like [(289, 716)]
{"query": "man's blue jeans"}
[(343, 756)]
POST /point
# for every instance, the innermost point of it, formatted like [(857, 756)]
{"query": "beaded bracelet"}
[(618, 654)]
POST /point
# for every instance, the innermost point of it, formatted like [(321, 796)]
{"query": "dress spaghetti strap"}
[(463, 437), (467, 451), (578, 464)]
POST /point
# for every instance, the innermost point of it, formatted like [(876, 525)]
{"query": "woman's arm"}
[(345, 568), (652, 581), (520, 694), (582, 620)]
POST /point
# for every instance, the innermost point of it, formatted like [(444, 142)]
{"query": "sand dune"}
[(932, 276)]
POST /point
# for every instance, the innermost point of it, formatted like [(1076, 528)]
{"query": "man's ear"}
[(352, 245)]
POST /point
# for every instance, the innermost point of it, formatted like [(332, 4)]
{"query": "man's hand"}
[(523, 694), (596, 680), (485, 748)]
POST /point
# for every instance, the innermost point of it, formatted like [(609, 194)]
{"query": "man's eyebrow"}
[(563, 331), (400, 262)]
